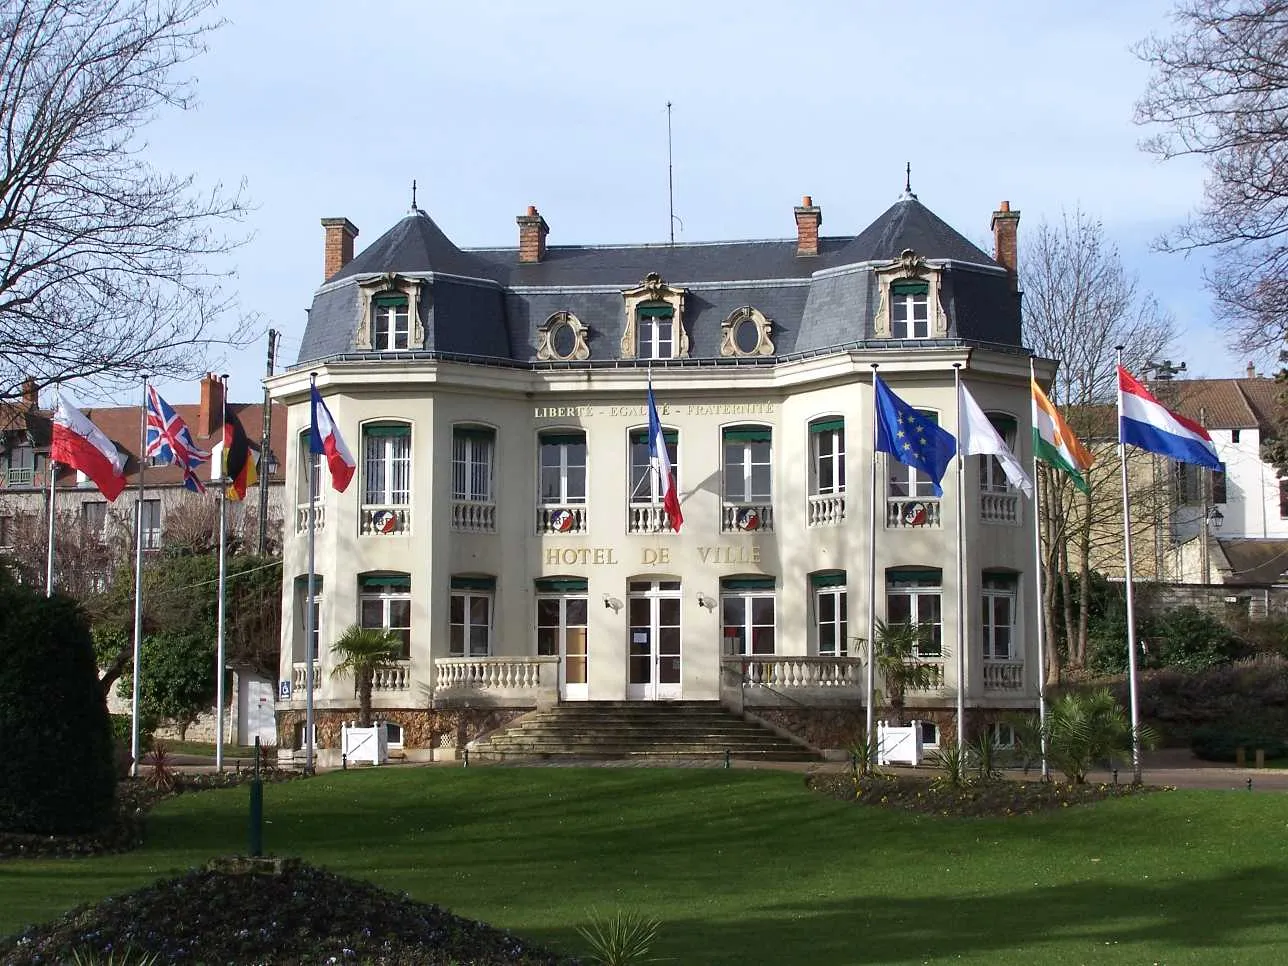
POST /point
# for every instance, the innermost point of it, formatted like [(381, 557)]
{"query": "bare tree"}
[(1080, 303), (1219, 91), (106, 265)]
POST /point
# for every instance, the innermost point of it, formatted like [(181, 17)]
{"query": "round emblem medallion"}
[(562, 521), (914, 514), (749, 519), (384, 521)]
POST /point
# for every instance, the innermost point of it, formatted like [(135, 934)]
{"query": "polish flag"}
[(80, 444), (661, 459), (325, 438)]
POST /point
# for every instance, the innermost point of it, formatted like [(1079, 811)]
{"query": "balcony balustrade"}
[(572, 519), (827, 510), (469, 516)]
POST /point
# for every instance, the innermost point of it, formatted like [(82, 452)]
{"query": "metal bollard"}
[(728, 762), (344, 762), (1115, 776), (467, 759), (1249, 784)]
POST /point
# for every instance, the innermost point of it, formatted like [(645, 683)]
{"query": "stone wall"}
[(422, 729)]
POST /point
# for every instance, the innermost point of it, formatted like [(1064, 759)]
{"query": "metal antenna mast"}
[(670, 176)]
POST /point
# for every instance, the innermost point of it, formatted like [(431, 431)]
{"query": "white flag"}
[(979, 438)]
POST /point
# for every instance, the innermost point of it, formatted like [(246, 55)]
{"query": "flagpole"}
[(961, 565), (308, 609), (49, 555), (870, 679), (1037, 572), (137, 673), (220, 641), (1131, 595)]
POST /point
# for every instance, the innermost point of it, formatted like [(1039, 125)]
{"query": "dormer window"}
[(909, 310), (655, 332), (390, 327), (746, 332), (562, 337)]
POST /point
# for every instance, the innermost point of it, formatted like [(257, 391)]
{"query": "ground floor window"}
[(831, 618), (1000, 734), (301, 615), (385, 602), (562, 621), (914, 597), (470, 616), (929, 734), (747, 615)]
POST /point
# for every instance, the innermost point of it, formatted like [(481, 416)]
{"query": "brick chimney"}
[(210, 414), (532, 236), (30, 393), (1005, 246), (808, 217), (1252, 371), (338, 251)]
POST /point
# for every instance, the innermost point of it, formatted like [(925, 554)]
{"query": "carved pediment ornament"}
[(731, 344), (909, 265), (549, 338), (390, 283), (654, 288)]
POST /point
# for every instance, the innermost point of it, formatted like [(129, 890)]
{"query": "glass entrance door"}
[(653, 640), (561, 632)]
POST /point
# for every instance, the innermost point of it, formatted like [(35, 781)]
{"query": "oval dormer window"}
[(563, 339), (746, 336)]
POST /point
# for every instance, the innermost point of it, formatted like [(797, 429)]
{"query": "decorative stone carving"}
[(562, 337), (390, 283), (910, 266), (654, 289), (746, 332)]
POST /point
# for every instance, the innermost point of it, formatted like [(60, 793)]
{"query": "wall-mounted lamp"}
[(612, 603), (704, 601), (1216, 518)]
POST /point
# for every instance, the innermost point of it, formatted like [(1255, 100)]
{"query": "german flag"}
[(239, 462)]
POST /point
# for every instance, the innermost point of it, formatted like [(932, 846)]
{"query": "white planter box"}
[(899, 746), (365, 744)]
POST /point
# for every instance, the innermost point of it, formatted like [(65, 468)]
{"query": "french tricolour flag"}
[(325, 438), (1146, 423), (660, 459)]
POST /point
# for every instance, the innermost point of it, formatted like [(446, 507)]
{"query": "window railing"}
[(1003, 675), (472, 517), (562, 519), (746, 517), (647, 518), (20, 476), (299, 676), (396, 677), (152, 539), (379, 520), (903, 513), (797, 672), (827, 510), (302, 518), (1003, 508), (936, 676)]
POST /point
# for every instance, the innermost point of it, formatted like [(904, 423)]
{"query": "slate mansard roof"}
[(485, 303)]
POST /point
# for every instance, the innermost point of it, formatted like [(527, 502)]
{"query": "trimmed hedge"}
[(59, 771), (1220, 743)]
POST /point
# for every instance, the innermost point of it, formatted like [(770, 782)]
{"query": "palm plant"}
[(1083, 729), (897, 654), (364, 651)]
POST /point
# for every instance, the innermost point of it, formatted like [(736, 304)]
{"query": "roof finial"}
[(413, 196), (907, 183)]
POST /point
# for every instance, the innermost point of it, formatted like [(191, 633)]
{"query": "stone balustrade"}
[(496, 680), (905, 513), (1003, 675), (471, 517), (375, 520), (571, 519), (827, 511), (1003, 508), (302, 518), (299, 674)]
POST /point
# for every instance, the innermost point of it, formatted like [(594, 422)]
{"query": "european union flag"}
[(911, 438)]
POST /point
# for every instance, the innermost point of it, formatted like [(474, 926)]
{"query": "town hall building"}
[(506, 523)]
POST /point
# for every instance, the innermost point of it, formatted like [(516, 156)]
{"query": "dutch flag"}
[(1146, 423)]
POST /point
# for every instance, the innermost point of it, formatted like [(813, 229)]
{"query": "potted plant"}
[(362, 652)]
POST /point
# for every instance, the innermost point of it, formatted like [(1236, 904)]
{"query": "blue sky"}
[(327, 109)]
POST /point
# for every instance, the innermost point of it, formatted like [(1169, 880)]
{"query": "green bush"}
[(59, 772), (1185, 638), (1220, 742), (123, 726)]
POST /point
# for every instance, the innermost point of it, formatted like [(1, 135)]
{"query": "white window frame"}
[(645, 485), (915, 307), (151, 535), (826, 446), (998, 588), (391, 326), (467, 597), (746, 463), (1001, 734), (918, 484), (992, 478), (302, 484), (473, 464), (839, 621), (929, 734), (920, 612), (100, 510), (386, 465), (745, 599), (386, 598), (564, 462), (655, 337)]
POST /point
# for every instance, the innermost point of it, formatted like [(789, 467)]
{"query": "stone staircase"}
[(604, 730)]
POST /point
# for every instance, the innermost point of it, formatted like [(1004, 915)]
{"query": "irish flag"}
[(80, 444), (1054, 442), (325, 438)]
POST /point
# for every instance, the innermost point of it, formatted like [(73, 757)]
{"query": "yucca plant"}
[(128, 957), (954, 761), (984, 754), (863, 755), (163, 775), (363, 651), (622, 939), (1084, 729)]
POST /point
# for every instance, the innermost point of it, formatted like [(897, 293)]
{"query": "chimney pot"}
[(532, 236), (338, 247), (1005, 242), (1252, 370), (808, 218)]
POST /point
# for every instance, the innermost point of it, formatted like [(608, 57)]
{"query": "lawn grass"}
[(174, 746), (747, 867)]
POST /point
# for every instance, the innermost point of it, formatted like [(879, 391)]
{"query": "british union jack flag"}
[(168, 441)]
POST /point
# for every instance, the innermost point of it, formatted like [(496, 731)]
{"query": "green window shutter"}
[(385, 580), (748, 434), (562, 585), (387, 429), (640, 436), (929, 576), (908, 288), (473, 583), (828, 578), (471, 432), (827, 426), (390, 299), (302, 583), (1005, 425), (747, 583), (655, 312), (562, 439)]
